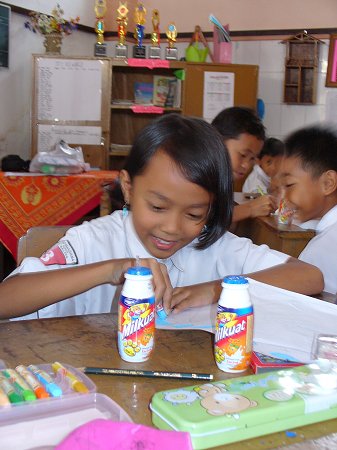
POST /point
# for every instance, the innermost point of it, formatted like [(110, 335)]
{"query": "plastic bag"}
[(62, 160)]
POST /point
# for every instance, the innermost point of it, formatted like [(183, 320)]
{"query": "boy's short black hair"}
[(198, 149), (236, 120), (315, 146), (272, 147)]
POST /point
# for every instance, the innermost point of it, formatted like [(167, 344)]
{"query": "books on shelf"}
[(143, 93), (166, 91)]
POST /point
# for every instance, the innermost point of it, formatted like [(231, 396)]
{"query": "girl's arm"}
[(293, 276), (27, 292)]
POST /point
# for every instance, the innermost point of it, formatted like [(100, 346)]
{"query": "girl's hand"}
[(161, 281), (195, 295)]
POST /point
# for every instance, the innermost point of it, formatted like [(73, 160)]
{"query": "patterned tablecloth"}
[(28, 200)]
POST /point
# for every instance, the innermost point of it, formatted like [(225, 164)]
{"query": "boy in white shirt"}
[(309, 178), (267, 166)]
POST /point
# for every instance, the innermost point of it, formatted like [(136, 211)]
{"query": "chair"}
[(39, 239)]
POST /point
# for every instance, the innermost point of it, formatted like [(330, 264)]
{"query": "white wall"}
[(16, 83)]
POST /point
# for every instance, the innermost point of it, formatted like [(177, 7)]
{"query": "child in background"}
[(178, 184), (309, 179), (266, 168), (244, 136)]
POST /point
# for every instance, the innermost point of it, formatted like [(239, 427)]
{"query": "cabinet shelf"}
[(301, 63), (128, 118)]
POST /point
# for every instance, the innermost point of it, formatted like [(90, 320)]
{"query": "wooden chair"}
[(39, 239)]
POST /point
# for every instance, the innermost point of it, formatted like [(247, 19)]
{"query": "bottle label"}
[(233, 338), (136, 328)]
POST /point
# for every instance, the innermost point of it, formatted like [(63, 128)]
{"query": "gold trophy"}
[(139, 50), (100, 10), (155, 36), (171, 52), (122, 21)]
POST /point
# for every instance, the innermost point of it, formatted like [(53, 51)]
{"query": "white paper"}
[(49, 135), (218, 93), (69, 89), (285, 323)]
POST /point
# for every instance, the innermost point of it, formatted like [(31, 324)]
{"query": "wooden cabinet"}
[(127, 119), (301, 65)]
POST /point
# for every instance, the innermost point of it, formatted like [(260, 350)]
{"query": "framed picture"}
[(331, 75)]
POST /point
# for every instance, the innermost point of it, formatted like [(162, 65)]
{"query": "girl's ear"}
[(126, 185), (329, 182)]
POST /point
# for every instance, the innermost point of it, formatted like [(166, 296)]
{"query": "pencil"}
[(146, 373)]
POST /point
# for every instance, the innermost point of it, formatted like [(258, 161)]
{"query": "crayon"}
[(4, 400), (9, 390), (52, 388), (20, 385), (32, 381), (75, 383)]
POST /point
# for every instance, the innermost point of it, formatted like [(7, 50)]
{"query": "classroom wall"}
[(240, 14), (16, 83)]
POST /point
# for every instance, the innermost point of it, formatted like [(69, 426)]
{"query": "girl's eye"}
[(289, 185), (196, 217), (156, 208)]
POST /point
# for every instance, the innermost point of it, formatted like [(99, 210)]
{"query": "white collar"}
[(328, 219)]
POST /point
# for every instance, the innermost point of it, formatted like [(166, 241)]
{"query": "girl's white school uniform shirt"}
[(257, 177), (114, 236), (321, 251)]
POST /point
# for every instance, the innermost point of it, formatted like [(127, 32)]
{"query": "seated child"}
[(309, 179), (244, 136), (178, 185), (266, 167)]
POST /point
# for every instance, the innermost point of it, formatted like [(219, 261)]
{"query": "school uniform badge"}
[(61, 253)]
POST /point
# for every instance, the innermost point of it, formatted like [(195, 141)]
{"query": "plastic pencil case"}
[(241, 408), (44, 423), (60, 380)]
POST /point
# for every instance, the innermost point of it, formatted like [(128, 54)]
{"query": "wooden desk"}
[(29, 200), (289, 239), (91, 341)]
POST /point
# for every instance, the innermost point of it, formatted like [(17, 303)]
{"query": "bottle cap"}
[(235, 279), (138, 270)]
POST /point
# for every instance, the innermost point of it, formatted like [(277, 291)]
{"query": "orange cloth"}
[(29, 200)]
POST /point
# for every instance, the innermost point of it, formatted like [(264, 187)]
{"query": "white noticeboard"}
[(69, 89), (49, 135), (218, 93)]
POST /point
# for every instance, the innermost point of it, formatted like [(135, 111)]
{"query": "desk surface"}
[(290, 239), (91, 341), (29, 200)]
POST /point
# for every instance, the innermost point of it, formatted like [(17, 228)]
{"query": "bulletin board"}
[(71, 101), (244, 82)]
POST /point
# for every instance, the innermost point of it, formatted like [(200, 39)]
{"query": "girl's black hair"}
[(236, 120), (198, 150)]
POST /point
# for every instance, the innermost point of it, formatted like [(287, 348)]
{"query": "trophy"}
[(100, 10), (155, 36), (171, 52), (139, 50), (122, 21)]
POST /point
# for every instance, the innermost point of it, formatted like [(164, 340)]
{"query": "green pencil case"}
[(241, 408)]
